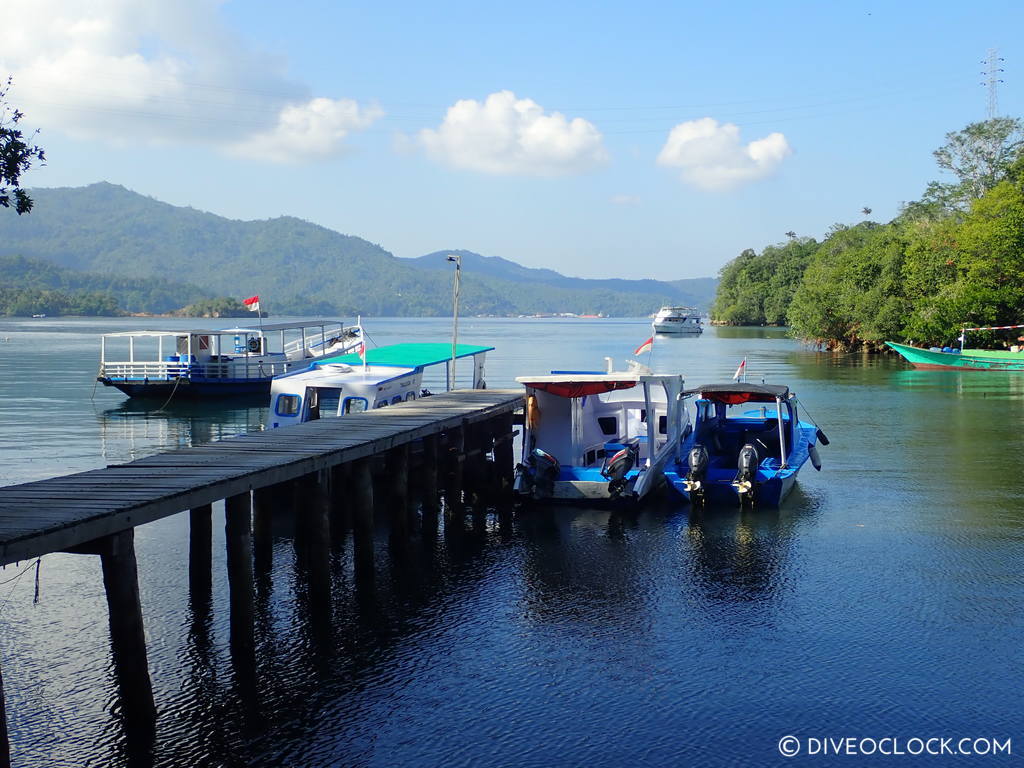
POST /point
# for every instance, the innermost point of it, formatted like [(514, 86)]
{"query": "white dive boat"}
[(383, 376), (593, 435), (678, 320), (204, 362)]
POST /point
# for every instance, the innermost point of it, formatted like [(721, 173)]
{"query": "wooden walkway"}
[(67, 512)]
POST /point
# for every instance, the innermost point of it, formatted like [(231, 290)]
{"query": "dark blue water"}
[(883, 600)]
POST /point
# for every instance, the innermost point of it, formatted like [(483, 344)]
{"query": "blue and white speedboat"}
[(592, 435), (750, 457)]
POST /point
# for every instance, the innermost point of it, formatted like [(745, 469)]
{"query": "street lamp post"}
[(455, 317)]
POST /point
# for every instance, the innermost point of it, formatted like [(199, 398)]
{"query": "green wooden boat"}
[(968, 360)]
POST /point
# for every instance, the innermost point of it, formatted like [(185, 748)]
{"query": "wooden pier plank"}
[(56, 514)]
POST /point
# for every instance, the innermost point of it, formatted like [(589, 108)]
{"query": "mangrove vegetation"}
[(954, 257)]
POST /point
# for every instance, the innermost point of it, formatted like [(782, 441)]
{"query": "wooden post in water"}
[(362, 517), (264, 502), (428, 480), (398, 477), (127, 636), (504, 459), (314, 520), (200, 553), (341, 500), (238, 532), (453, 487)]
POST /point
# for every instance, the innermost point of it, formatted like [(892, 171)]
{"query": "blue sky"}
[(601, 140)]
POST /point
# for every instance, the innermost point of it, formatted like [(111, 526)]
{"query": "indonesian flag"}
[(253, 303), (645, 347), (741, 370)]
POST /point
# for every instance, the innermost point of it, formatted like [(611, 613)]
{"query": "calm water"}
[(884, 599)]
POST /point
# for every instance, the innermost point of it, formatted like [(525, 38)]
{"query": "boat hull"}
[(767, 492), (189, 388), (971, 360), (678, 329)]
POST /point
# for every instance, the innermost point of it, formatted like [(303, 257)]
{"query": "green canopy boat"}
[(966, 359)]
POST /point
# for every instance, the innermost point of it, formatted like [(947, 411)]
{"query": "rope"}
[(177, 381), (15, 580)]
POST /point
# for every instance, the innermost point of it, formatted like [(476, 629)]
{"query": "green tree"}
[(979, 156), (16, 156)]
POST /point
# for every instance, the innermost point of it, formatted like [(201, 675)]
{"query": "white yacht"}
[(681, 320)]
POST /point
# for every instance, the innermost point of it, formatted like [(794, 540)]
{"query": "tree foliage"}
[(298, 267), (941, 263), (16, 156)]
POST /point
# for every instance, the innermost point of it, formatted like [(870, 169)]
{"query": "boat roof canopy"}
[(412, 355), (580, 385), (252, 330), (735, 393)]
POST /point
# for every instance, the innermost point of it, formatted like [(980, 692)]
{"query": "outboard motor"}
[(747, 464), (616, 468), (539, 473), (698, 461)]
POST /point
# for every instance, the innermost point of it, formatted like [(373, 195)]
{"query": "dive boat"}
[(592, 435), (751, 457), (681, 320), (202, 362), (377, 378)]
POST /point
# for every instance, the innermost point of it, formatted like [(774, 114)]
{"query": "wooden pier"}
[(322, 471)]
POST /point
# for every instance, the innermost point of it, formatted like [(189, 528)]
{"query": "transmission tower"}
[(991, 74)]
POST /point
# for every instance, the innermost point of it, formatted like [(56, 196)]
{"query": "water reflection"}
[(134, 429)]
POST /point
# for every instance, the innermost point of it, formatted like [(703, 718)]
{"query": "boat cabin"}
[(386, 376), (724, 430), (593, 435)]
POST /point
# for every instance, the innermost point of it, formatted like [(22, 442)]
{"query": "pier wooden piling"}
[(96, 512)]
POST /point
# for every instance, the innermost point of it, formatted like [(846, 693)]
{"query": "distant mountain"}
[(298, 267), (698, 291)]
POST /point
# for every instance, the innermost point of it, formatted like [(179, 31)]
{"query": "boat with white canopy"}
[(208, 362)]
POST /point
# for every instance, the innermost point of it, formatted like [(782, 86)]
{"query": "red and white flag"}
[(253, 303), (362, 352), (741, 370), (645, 347)]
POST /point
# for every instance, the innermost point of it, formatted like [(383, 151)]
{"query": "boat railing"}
[(155, 370)]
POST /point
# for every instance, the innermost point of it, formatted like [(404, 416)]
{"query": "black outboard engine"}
[(747, 465), (540, 472), (698, 461), (616, 468)]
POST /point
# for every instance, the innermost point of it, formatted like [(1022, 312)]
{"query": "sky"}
[(634, 140)]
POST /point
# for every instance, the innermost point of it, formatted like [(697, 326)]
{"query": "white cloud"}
[(506, 135), (314, 129), (625, 199), (711, 156), (163, 72)]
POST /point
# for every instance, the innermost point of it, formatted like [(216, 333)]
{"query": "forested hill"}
[(953, 258), (298, 267)]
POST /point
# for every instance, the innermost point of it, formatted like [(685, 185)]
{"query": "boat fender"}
[(812, 451), (821, 437), (532, 412)]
